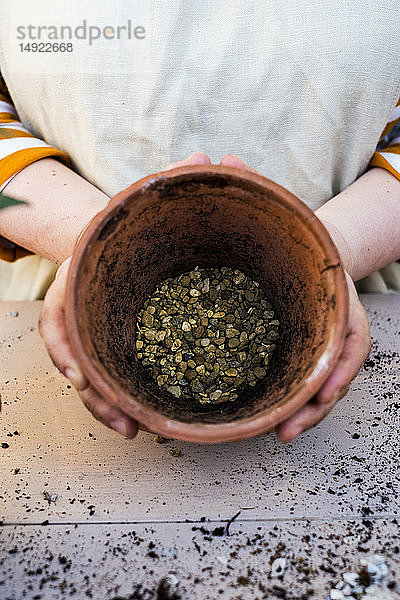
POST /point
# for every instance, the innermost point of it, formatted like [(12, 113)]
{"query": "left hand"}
[(356, 349)]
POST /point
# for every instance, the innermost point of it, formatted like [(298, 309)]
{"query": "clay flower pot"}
[(205, 215)]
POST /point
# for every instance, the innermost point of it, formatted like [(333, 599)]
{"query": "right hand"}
[(53, 331)]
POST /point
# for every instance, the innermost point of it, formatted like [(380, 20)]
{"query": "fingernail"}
[(299, 432), (75, 377), (285, 440), (121, 427), (294, 434), (335, 398)]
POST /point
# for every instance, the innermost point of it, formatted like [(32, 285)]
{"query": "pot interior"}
[(172, 225)]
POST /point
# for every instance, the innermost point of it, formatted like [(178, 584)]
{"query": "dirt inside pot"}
[(168, 227)]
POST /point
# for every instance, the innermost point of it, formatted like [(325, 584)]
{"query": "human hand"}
[(52, 328), (356, 349), (53, 331)]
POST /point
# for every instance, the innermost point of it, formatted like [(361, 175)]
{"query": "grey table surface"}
[(128, 514)]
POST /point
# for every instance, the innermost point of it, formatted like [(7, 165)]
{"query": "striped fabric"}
[(18, 147), (387, 155)]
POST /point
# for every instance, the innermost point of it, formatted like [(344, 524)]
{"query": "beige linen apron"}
[(299, 90)]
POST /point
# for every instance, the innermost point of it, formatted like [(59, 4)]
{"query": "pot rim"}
[(240, 429)]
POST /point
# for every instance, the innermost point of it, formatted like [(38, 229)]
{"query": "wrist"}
[(364, 221), (59, 205), (77, 224), (341, 244)]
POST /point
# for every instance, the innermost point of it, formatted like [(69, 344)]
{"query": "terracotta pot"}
[(170, 222)]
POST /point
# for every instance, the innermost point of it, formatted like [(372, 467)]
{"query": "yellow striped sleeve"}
[(10, 252), (388, 155), (18, 149)]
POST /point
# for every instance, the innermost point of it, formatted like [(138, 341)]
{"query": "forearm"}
[(60, 204), (364, 222)]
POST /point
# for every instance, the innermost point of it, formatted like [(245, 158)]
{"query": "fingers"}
[(308, 416), (350, 362), (108, 415), (231, 160), (197, 158), (52, 329), (356, 349)]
